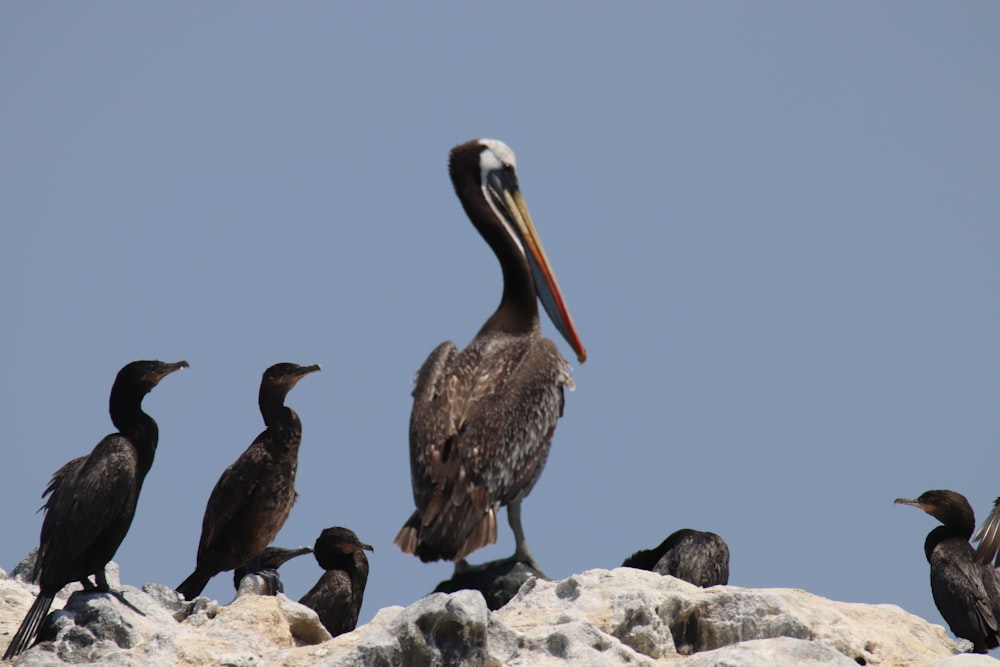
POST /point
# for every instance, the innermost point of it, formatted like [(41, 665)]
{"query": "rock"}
[(777, 652), (167, 597), (967, 660), (498, 581), (24, 570), (440, 629), (100, 626), (597, 618), (303, 622)]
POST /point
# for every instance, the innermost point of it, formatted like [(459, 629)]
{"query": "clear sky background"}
[(776, 226)]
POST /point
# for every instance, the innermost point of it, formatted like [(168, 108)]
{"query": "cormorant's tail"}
[(192, 587), (29, 626)]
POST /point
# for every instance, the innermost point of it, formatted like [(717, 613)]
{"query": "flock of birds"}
[(482, 423)]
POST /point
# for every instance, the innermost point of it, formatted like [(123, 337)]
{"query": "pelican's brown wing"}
[(480, 431)]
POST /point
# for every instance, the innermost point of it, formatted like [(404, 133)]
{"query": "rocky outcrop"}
[(597, 618)]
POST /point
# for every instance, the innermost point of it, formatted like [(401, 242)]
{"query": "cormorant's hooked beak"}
[(293, 377), (354, 547), (506, 194), (165, 370), (913, 502), (295, 553), (306, 370)]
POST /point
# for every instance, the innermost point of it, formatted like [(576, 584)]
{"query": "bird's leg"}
[(88, 585), (102, 581), (522, 554)]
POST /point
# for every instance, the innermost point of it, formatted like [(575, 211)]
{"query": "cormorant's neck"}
[(134, 424), (335, 559), (959, 520), (518, 309), (281, 422), (950, 531), (272, 406), (359, 574)]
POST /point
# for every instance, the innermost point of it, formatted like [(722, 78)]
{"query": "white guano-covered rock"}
[(597, 618)]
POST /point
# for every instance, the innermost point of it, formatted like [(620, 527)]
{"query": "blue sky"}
[(775, 224)]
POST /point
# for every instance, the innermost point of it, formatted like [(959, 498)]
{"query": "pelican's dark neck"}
[(138, 427), (518, 309)]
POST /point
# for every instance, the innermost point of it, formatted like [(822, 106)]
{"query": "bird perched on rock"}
[(254, 496), (483, 417), (337, 596), (92, 499), (966, 592), (698, 557), (270, 559)]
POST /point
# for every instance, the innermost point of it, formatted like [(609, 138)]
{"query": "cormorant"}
[(483, 418), (255, 494), (336, 598), (271, 558), (698, 557), (967, 593), (92, 499)]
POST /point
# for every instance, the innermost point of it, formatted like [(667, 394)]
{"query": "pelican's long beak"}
[(545, 279)]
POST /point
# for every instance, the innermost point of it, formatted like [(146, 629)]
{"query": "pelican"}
[(483, 417)]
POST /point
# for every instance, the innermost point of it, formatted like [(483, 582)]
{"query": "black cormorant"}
[(336, 598), (698, 557), (92, 499), (254, 496), (483, 418), (967, 593), (271, 558)]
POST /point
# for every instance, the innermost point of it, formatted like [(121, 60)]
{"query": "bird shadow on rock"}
[(498, 581)]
